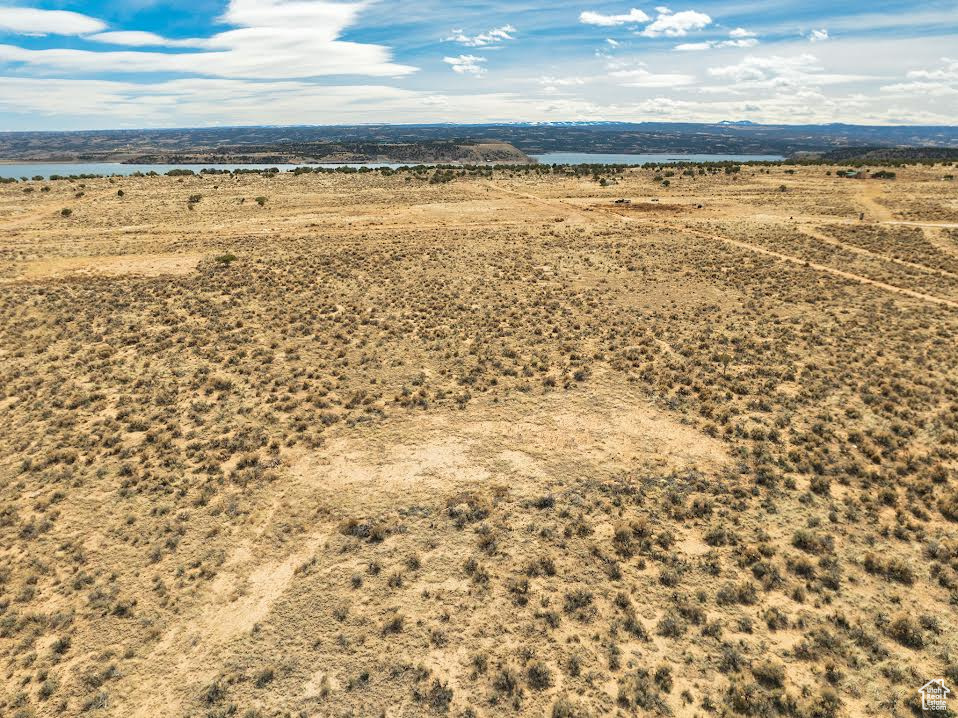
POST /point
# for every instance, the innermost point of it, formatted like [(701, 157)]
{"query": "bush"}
[(539, 675), (575, 600), (638, 691), (565, 708), (393, 624), (769, 674), (506, 681), (812, 542), (906, 631), (264, 677), (745, 593), (66, 212), (440, 696)]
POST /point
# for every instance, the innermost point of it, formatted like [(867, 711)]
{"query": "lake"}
[(65, 169), (46, 169)]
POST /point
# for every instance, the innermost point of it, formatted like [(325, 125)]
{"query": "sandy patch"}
[(147, 265)]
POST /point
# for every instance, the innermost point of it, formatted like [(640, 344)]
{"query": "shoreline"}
[(408, 163)]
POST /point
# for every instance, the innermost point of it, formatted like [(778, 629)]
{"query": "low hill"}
[(460, 151), (529, 138), (891, 154)]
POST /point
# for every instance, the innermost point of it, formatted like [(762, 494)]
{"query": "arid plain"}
[(493, 445)]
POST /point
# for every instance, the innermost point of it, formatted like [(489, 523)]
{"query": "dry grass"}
[(378, 445)]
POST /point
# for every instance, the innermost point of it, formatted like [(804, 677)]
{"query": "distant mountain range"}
[(728, 137)]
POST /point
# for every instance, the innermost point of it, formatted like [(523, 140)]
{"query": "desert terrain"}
[(482, 443)]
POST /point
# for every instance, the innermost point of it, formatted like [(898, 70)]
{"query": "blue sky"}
[(172, 63)]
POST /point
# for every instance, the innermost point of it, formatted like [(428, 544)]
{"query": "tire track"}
[(814, 265), (816, 234), (591, 217)]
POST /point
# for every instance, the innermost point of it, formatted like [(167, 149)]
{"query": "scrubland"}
[(367, 445)]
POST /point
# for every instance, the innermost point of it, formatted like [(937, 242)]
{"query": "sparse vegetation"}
[(469, 456)]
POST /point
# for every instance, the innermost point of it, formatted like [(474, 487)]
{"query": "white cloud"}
[(753, 69), (820, 35), (938, 89), (325, 19), (563, 81), (269, 58), (484, 39), (948, 71), (644, 78), (30, 21), (711, 44), (778, 73), (676, 24), (940, 81), (135, 38), (742, 42), (635, 74), (738, 38), (272, 39), (65, 103), (200, 101), (632, 17), (562, 85), (466, 64)]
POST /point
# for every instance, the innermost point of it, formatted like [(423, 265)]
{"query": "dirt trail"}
[(778, 255), (148, 265), (813, 265), (936, 237), (816, 234), (556, 204), (26, 220), (930, 225), (867, 196), (238, 599), (831, 270)]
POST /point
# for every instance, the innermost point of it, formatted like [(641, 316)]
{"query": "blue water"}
[(46, 169), (65, 169), (585, 158)]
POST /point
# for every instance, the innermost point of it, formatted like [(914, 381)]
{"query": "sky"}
[(74, 65)]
